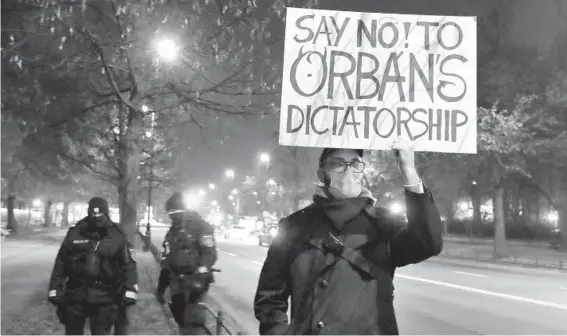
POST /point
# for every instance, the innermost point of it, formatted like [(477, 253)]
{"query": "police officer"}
[(94, 266), (188, 255)]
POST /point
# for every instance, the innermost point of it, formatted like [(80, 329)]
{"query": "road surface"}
[(431, 298)]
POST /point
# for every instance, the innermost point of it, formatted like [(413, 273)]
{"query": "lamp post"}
[(149, 135)]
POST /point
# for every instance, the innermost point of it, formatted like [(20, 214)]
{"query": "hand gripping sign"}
[(360, 80)]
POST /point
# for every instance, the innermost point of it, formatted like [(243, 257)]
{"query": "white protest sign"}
[(360, 80)]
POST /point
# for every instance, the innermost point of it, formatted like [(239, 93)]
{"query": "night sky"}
[(534, 23)]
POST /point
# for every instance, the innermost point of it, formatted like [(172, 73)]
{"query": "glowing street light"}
[(271, 182), (36, 203), (145, 108), (463, 206), (214, 203), (212, 186), (255, 193), (258, 202), (553, 216), (396, 208), (234, 192), (229, 173), (202, 192), (265, 158), (167, 49), (230, 197)]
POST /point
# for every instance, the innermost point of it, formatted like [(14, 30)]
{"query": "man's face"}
[(343, 168)]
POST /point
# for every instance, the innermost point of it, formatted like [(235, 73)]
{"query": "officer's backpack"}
[(182, 250)]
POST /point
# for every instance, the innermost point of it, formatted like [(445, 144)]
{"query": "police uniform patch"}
[(132, 253), (207, 241)]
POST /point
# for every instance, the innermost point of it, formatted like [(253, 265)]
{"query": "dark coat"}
[(115, 270), (194, 242), (343, 299)]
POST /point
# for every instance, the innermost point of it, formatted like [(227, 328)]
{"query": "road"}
[(431, 298)]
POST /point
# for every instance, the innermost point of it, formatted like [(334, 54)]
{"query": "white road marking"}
[(560, 287), (472, 274), (232, 254), (485, 292), (257, 262)]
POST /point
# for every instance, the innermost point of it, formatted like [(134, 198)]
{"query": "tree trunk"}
[(12, 224), (500, 246), (562, 222), (450, 211), (129, 172), (476, 199), (65, 214), (296, 180), (47, 215)]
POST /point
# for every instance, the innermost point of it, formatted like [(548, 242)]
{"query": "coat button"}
[(320, 324), (323, 283)]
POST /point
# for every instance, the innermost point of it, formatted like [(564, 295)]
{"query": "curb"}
[(215, 306), (498, 266)]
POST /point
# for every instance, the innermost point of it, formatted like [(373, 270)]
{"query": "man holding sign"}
[(336, 258), (363, 80)]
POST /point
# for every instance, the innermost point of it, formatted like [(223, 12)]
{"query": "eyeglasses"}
[(340, 166)]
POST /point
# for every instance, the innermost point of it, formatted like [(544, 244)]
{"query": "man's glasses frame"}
[(340, 166)]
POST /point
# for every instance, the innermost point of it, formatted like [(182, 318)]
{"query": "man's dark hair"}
[(328, 151)]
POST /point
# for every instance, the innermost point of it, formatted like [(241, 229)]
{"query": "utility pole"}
[(149, 134)]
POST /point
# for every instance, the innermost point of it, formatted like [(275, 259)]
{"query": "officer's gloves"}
[(129, 298), (54, 297), (160, 298)]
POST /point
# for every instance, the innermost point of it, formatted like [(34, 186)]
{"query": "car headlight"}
[(273, 232)]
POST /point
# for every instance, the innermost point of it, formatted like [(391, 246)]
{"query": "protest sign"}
[(360, 80)]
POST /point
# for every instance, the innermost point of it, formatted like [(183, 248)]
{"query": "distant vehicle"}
[(267, 235), (235, 232)]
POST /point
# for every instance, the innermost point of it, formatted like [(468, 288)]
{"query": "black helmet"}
[(175, 203)]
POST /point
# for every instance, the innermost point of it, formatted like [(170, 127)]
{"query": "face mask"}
[(345, 185), (98, 222), (177, 218)]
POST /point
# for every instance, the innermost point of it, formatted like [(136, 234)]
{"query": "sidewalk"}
[(147, 317), (531, 256)]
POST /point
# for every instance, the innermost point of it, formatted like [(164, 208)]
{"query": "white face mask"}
[(345, 185)]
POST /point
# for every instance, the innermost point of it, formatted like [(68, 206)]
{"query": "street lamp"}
[(271, 182), (202, 192), (212, 186), (167, 49), (396, 208), (229, 173), (36, 203), (234, 191), (265, 158)]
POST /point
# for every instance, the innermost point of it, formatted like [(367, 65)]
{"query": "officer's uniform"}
[(93, 270), (189, 252)]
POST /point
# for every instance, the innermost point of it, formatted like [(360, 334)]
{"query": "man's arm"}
[(422, 237), (270, 302), (59, 274), (207, 246), (163, 281), (130, 272)]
